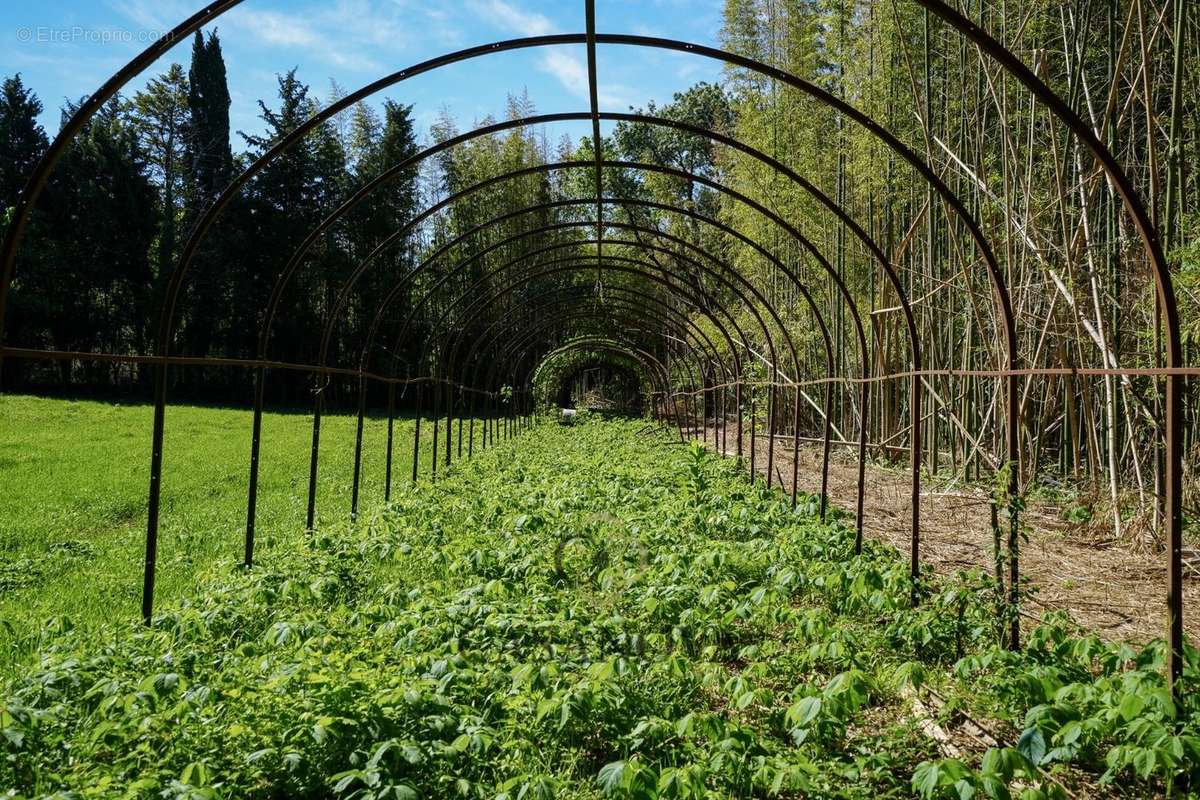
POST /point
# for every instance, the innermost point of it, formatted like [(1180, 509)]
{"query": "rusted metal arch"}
[(395, 291), (766, 331), (598, 344), (519, 350), (1148, 233), (696, 301), (804, 241), (344, 293), (792, 231), (514, 352), (365, 191), (529, 340), (652, 304), (646, 303), (513, 356), (635, 305), (612, 347), (567, 315), (576, 260), (1008, 61), (686, 327), (629, 312), (583, 243), (491, 377), (495, 378), (297, 257), (864, 390), (581, 263), (800, 286)]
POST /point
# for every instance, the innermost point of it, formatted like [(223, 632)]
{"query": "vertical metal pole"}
[(387, 480), (824, 502), (437, 419), (255, 452), (863, 431), (753, 439), (796, 449), (1174, 489), (1014, 531), (152, 502), (915, 559), (358, 440), (737, 399), (312, 461), (449, 389), (416, 434), (771, 399)]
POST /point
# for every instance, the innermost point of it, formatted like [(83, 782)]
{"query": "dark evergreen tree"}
[(92, 284), (380, 145), (210, 156), (22, 139), (22, 143), (212, 279), (289, 199), (161, 118)]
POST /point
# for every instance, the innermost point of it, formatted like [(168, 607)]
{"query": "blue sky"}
[(67, 48)]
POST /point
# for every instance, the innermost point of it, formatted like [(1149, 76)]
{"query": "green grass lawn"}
[(73, 507)]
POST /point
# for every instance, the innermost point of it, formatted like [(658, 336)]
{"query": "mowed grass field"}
[(73, 506)]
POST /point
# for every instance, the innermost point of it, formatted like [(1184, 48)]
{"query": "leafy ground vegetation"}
[(73, 480), (594, 611)]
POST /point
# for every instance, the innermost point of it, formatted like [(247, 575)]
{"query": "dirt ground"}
[(1105, 586)]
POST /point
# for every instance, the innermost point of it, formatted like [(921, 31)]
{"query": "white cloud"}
[(273, 27), (346, 33), (571, 72), (158, 15), (509, 17), (568, 69)]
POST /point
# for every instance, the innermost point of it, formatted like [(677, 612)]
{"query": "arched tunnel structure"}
[(464, 329)]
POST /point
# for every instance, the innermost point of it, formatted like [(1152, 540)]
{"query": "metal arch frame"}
[(600, 345), (600, 265), (582, 341), (591, 356), (643, 306), (574, 263), (702, 338), (789, 229), (534, 277), (493, 377), (695, 300), (646, 301), (799, 285), (576, 243), (653, 303), (513, 357), (512, 353), (516, 352), (686, 327), (1009, 62)]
